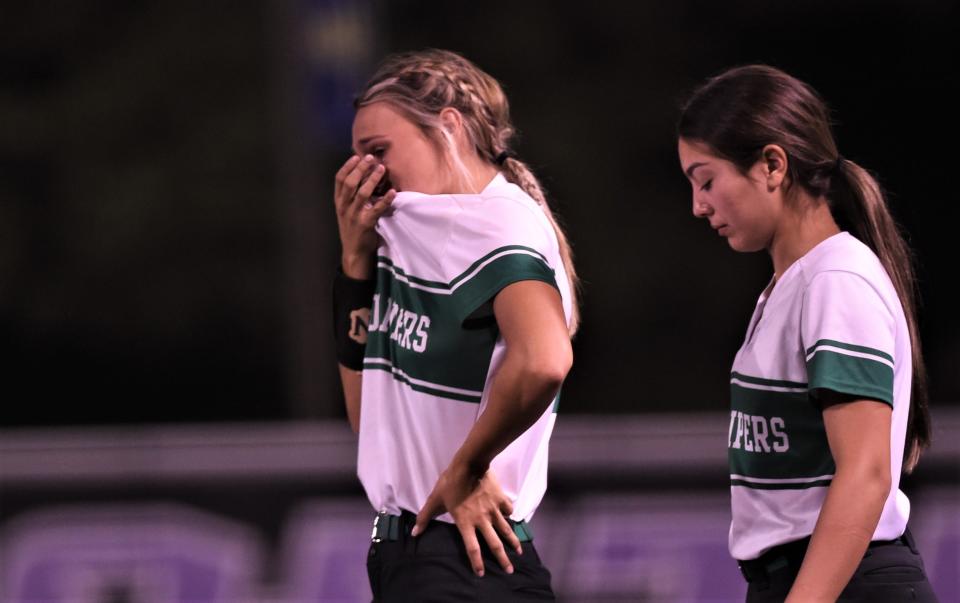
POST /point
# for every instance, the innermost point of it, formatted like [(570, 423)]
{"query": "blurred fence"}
[(637, 510)]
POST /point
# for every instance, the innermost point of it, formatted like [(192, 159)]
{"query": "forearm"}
[(521, 392), (844, 528), (359, 266), (358, 211), (351, 381), (352, 291)]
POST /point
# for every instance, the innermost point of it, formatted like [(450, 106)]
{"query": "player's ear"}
[(773, 161), (451, 120)]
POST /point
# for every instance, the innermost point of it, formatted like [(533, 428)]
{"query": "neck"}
[(800, 230), (478, 176)]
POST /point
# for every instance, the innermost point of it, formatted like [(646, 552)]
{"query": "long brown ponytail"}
[(743, 109), (859, 205)]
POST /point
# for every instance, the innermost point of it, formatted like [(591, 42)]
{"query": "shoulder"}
[(502, 215), (848, 298), (846, 288), (844, 261), (844, 268)]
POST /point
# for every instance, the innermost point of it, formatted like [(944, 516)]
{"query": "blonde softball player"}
[(453, 312)]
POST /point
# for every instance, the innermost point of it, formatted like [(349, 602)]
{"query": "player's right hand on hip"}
[(476, 505)]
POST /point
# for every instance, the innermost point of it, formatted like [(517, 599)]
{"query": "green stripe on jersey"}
[(473, 270), (427, 388), (768, 382), (413, 279), (852, 375), (849, 346), (823, 483), (417, 330), (776, 435)]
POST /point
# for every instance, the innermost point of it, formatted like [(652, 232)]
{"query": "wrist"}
[(474, 468), (357, 266), (352, 299)]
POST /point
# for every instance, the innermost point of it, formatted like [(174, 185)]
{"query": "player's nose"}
[(701, 209)]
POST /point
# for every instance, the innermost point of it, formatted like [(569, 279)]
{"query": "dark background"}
[(166, 224)]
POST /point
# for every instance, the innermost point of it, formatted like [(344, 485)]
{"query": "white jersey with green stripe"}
[(833, 321), (433, 346)]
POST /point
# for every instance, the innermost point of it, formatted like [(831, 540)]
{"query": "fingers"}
[(472, 545), (431, 509), (341, 184), (348, 179), (506, 507), (500, 519), (496, 546), (366, 189), (346, 169), (506, 530), (381, 206)]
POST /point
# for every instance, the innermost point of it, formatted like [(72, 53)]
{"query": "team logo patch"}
[(359, 324)]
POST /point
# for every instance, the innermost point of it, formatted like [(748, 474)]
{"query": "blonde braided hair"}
[(421, 84)]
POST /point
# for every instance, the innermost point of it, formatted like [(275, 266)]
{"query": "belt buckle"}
[(374, 537)]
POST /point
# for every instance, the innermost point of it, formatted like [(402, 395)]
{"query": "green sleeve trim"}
[(497, 274), (852, 375), (506, 249), (851, 347)]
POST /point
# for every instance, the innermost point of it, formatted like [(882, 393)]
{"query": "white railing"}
[(654, 444)]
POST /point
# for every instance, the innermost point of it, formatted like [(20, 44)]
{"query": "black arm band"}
[(351, 315)]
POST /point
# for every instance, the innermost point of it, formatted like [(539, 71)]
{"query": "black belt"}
[(388, 527), (791, 554)]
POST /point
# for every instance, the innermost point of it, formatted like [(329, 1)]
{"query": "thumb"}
[(382, 205), (430, 509), (372, 212)]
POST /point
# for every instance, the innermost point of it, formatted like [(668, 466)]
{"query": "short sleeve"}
[(501, 243), (848, 336)]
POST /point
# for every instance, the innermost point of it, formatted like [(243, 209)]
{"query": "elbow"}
[(872, 480), (879, 491), (549, 370), (878, 488), (878, 475), (550, 377), (563, 364), (884, 482)]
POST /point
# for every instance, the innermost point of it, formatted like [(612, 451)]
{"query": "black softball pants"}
[(434, 568), (891, 571)]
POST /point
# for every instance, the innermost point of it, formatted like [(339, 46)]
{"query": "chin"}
[(742, 246)]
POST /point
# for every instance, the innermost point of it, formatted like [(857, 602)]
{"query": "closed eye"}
[(706, 185)]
